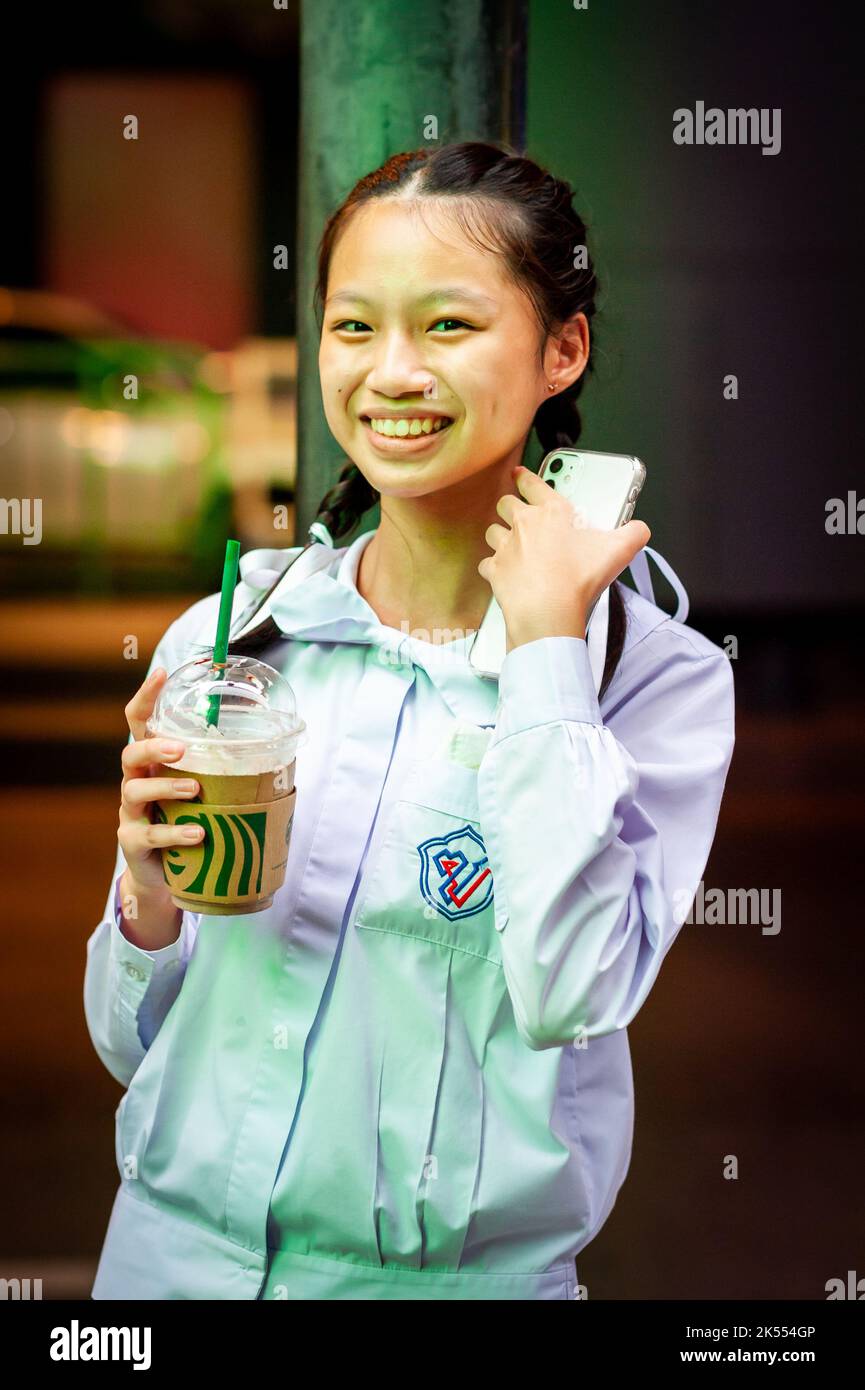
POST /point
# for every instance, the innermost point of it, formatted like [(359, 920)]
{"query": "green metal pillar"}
[(371, 77)]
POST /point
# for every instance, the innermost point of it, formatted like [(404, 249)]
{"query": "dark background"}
[(713, 260)]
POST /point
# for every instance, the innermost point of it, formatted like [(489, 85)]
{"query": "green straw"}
[(223, 622)]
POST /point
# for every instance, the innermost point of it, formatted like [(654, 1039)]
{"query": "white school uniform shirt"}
[(410, 1076)]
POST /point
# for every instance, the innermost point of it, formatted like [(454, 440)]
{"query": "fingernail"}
[(170, 747), (192, 832), (184, 786)]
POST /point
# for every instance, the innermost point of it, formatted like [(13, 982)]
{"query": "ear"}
[(567, 352)]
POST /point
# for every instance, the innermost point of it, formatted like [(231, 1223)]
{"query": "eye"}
[(344, 326)]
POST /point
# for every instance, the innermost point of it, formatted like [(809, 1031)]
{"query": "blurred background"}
[(159, 392)]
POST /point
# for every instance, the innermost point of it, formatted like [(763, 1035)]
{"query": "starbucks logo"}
[(231, 854)]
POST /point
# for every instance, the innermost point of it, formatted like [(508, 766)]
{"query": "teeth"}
[(400, 428)]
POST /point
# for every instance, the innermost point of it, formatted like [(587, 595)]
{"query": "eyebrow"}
[(441, 296)]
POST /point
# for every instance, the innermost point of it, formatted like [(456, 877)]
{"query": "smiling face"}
[(419, 322)]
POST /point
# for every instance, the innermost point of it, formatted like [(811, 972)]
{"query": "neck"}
[(419, 571)]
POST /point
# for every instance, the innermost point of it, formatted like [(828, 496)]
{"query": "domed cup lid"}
[(238, 719)]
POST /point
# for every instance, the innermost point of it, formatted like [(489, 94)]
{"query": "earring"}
[(550, 388)]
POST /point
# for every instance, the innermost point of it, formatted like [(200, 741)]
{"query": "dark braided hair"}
[(509, 204)]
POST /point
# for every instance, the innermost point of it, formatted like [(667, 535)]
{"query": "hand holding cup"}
[(139, 838)]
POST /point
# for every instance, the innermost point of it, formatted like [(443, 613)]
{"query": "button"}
[(134, 972), (633, 494), (627, 513)]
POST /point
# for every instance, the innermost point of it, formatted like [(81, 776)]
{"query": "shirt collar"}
[(327, 606)]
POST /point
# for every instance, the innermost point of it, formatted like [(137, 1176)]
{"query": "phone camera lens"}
[(550, 482), (555, 466)]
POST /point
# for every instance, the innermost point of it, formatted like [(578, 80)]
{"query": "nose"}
[(397, 369)]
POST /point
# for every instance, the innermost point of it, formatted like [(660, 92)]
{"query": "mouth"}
[(406, 427), (404, 436)]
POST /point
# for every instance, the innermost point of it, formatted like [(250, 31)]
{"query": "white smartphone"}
[(603, 489)]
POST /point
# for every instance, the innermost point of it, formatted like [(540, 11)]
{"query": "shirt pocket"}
[(432, 880)]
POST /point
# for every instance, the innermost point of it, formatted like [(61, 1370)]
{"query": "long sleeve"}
[(599, 833), (128, 991)]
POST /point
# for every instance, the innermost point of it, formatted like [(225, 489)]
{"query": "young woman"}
[(410, 1077)]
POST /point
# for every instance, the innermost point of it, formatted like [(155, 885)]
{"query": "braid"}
[(343, 506), (558, 424)]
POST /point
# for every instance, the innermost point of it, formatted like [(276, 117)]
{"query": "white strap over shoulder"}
[(599, 623), (310, 559), (319, 532), (639, 568)]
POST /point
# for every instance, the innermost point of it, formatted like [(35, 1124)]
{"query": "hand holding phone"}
[(602, 490)]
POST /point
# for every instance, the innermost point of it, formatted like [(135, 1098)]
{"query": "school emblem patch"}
[(455, 875)]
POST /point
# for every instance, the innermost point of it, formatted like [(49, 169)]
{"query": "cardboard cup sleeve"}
[(241, 861)]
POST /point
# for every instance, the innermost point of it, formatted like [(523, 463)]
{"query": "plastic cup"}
[(244, 763)]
